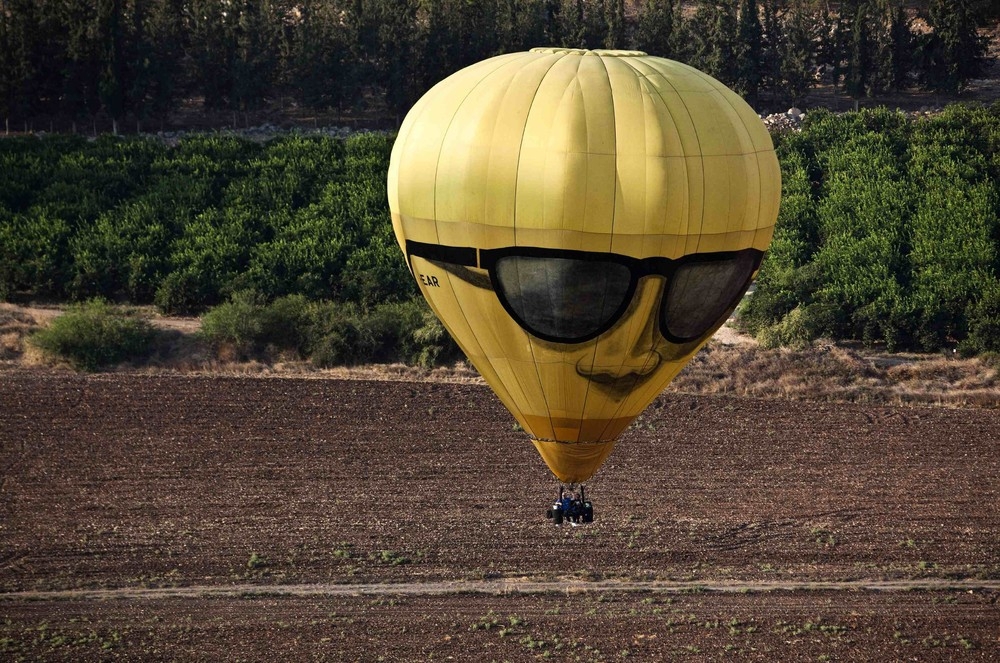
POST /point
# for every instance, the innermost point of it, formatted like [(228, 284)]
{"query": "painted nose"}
[(633, 344)]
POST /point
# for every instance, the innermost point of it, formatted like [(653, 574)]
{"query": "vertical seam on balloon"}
[(620, 404), (437, 163), (614, 203), (755, 151), (451, 121), (701, 156), (661, 76), (652, 352), (517, 177), (614, 132), (655, 324), (517, 380)]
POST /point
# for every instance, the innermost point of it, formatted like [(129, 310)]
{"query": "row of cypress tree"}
[(74, 60)]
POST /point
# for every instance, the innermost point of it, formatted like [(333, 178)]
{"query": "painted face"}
[(596, 334)]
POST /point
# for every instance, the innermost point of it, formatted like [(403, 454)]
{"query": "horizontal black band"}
[(456, 255)]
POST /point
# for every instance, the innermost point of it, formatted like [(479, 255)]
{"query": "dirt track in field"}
[(505, 588), (168, 517)]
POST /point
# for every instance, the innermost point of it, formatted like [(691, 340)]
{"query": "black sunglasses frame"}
[(638, 268)]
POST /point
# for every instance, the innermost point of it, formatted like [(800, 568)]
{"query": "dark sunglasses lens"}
[(701, 294), (562, 299)]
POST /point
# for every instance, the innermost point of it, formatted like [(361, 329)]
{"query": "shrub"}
[(330, 333), (394, 332), (95, 335), (179, 292), (239, 323), (334, 336), (285, 323), (435, 346)]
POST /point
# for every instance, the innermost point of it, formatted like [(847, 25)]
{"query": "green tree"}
[(658, 27), (896, 48), (113, 80), (521, 24), (583, 24), (256, 32), (698, 28), (772, 46), (398, 42), (801, 30), (162, 51), (553, 22), (859, 47), (749, 50), (385, 43), (322, 72), (83, 55), (952, 53), (723, 36), (712, 33), (614, 17), (211, 49), (20, 46)]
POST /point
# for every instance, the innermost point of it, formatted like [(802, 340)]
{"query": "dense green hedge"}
[(95, 335), (186, 226), (289, 241), (888, 233), (329, 333)]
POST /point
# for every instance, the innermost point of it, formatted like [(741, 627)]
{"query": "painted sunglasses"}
[(566, 296)]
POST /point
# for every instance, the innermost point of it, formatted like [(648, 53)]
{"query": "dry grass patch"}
[(15, 325), (832, 373)]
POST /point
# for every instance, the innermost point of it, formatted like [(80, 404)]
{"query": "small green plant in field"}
[(513, 621), (823, 537), (529, 642), (256, 562), (486, 622), (386, 602), (932, 642), (389, 558), (736, 627)]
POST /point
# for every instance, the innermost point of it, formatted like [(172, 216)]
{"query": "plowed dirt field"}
[(236, 518)]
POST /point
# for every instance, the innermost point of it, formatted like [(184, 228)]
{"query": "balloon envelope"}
[(582, 222)]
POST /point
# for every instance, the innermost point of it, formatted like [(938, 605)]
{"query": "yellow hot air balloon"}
[(582, 222)]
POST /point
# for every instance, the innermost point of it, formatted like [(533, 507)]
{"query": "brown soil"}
[(394, 505)]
